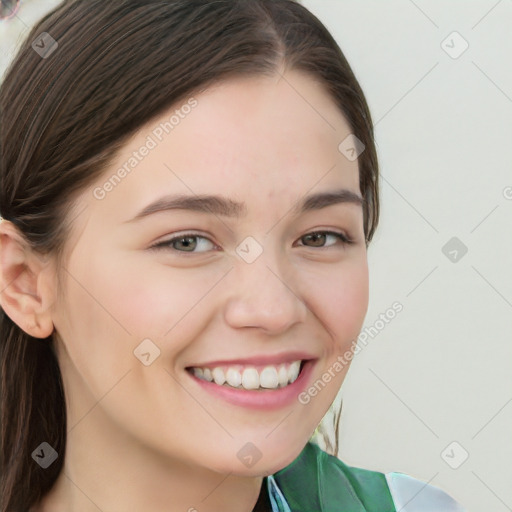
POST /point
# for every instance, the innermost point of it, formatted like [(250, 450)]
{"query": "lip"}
[(270, 399), (275, 359)]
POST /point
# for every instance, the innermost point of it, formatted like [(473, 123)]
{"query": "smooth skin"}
[(149, 437)]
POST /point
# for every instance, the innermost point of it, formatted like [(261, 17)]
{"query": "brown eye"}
[(188, 242), (318, 238)]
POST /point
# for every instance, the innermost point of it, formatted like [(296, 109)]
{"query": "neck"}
[(105, 469)]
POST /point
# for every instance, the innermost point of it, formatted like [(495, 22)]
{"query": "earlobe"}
[(24, 294)]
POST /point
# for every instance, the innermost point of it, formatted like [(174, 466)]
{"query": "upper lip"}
[(287, 357)]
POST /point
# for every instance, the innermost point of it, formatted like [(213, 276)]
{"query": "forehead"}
[(253, 138)]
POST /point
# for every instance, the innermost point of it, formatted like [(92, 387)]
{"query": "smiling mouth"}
[(251, 377)]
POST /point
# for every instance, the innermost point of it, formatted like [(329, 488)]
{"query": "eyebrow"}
[(226, 207)]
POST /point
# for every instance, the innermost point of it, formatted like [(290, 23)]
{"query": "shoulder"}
[(316, 480), (413, 495)]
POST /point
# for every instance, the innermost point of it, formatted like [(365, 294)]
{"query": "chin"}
[(273, 457), (279, 458)]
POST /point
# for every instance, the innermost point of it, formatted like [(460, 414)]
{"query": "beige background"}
[(440, 372)]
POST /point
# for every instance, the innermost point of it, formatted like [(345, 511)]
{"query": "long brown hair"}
[(64, 116)]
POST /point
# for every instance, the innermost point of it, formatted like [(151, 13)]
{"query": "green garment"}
[(318, 482)]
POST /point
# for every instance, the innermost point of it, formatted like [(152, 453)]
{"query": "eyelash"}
[(166, 244)]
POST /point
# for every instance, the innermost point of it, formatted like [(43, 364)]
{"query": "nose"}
[(263, 296)]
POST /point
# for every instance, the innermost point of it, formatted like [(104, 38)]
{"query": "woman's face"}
[(246, 294)]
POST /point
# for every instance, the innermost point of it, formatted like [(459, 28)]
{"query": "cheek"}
[(167, 305), (342, 302), (146, 297), (92, 322), (108, 311)]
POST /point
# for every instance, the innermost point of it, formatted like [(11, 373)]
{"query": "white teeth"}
[(271, 376), (268, 377), (199, 372), (294, 370), (233, 377), (283, 375), (250, 379), (218, 376)]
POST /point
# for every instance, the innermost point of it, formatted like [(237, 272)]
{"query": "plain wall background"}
[(440, 371)]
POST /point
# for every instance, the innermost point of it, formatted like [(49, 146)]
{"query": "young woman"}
[(188, 191)]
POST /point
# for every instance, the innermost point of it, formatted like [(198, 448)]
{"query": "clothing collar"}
[(277, 500)]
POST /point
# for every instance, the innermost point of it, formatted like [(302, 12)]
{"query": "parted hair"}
[(63, 119)]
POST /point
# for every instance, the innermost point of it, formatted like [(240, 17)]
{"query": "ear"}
[(26, 287)]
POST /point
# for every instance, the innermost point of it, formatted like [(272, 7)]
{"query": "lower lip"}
[(268, 399)]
